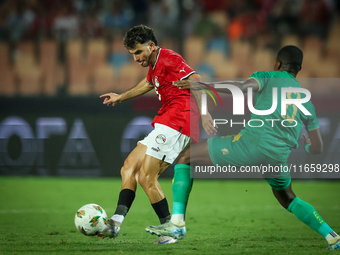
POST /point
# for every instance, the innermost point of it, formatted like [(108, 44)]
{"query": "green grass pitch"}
[(223, 217)]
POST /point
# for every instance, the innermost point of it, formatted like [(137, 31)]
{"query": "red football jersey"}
[(179, 107)]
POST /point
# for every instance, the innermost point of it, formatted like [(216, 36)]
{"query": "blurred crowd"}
[(229, 27), (244, 19)]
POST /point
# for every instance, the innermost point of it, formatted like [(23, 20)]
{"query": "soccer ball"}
[(90, 219)]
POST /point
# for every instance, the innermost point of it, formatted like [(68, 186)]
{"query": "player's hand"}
[(110, 98), (187, 84), (306, 141), (208, 125)]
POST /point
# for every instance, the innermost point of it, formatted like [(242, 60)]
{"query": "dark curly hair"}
[(139, 34), (291, 57)]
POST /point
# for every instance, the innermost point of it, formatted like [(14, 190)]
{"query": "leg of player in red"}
[(172, 126), (146, 170), (181, 190)]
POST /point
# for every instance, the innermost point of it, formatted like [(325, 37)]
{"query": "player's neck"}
[(293, 74), (290, 72), (154, 56)]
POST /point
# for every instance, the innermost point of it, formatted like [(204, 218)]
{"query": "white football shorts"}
[(165, 143)]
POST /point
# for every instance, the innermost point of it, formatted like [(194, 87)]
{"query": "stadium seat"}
[(117, 45), (48, 63), (311, 59), (306, 83), (119, 59), (206, 70), (328, 69), (219, 44), (104, 79), (240, 53), (169, 43), (7, 87), (229, 70), (263, 60), (313, 42), (223, 67), (305, 72), (290, 39), (333, 45), (194, 48), (220, 18), (59, 76), (87, 62), (215, 57), (28, 72), (78, 83), (79, 80), (333, 84), (129, 77), (96, 53), (312, 48)]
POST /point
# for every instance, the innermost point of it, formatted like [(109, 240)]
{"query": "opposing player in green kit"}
[(269, 143)]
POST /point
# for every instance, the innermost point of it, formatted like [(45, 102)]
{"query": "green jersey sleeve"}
[(262, 78), (311, 121)]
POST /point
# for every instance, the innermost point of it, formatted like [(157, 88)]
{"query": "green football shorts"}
[(239, 151)]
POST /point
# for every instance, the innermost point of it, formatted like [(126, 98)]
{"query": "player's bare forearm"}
[(242, 85), (218, 86), (141, 88), (196, 93), (207, 121), (315, 141)]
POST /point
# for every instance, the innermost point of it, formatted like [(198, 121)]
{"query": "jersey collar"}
[(159, 52)]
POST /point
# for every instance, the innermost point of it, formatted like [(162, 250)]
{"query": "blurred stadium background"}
[(58, 56)]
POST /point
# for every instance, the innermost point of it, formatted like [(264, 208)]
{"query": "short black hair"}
[(291, 57), (139, 34)]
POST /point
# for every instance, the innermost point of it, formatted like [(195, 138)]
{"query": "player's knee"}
[(285, 203), (127, 169), (124, 172), (184, 157), (285, 197), (145, 180)]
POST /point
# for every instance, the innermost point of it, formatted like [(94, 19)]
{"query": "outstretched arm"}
[(141, 88), (196, 85), (207, 122), (315, 141)]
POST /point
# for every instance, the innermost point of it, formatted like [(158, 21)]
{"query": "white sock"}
[(118, 219), (331, 236), (178, 219)]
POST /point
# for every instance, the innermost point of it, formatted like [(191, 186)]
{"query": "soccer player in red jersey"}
[(171, 133)]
